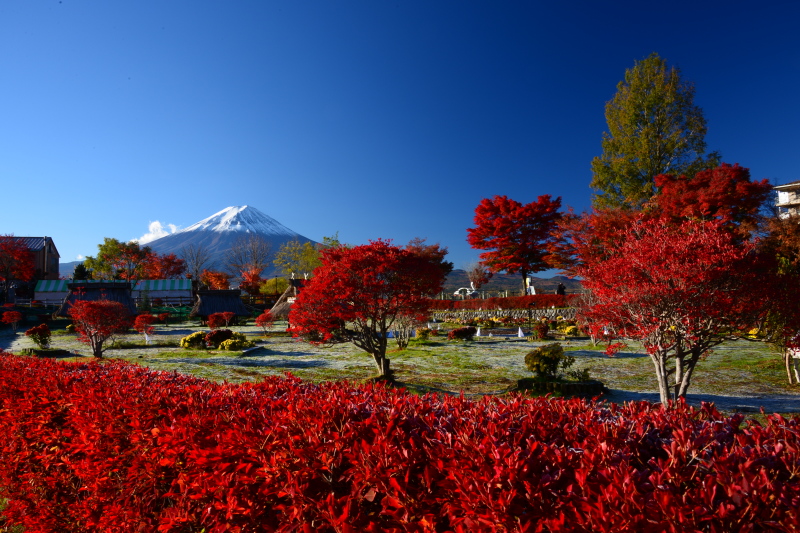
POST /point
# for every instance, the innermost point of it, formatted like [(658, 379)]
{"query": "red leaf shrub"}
[(40, 335), (217, 336), (227, 316), (12, 318), (116, 447), (98, 321), (535, 301), (143, 324), (163, 317), (265, 321), (462, 334), (215, 320)]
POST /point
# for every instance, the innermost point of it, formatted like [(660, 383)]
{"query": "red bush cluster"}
[(535, 301), (116, 448), (462, 334), (215, 337), (40, 335)]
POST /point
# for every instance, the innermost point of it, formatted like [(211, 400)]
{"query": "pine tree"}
[(654, 128)]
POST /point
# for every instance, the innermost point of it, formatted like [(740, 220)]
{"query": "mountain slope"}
[(220, 231)]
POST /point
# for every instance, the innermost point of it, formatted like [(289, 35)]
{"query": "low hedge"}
[(535, 301), (113, 447)]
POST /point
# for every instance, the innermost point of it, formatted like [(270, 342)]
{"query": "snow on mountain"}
[(220, 231), (241, 218)]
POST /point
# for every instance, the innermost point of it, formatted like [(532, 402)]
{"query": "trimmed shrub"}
[(195, 340), (423, 333), (462, 334), (216, 321), (540, 329), (236, 343), (549, 361), (116, 447), (40, 335), (214, 338)]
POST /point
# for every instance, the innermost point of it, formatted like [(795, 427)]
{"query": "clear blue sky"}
[(375, 119)]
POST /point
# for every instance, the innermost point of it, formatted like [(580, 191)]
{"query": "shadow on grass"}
[(238, 362), (774, 403), (620, 355), (263, 351)]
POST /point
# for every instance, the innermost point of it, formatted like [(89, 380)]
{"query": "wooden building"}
[(118, 291), (210, 302)]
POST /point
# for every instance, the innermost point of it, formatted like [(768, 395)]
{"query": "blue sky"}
[(375, 119)]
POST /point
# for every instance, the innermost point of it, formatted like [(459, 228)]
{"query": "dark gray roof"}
[(118, 291), (210, 302), (35, 244)]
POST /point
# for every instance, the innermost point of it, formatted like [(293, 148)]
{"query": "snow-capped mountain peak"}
[(241, 219)]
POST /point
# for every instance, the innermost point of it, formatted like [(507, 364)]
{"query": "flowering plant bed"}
[(109, 446)]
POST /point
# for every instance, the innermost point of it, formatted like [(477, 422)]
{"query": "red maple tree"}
[(144, 324), (12, 318), (725, 193), (16, 261), (167, 266), (265, 321), (99, 321), (678, 288), (515, 235), (359, 293), (215, 280), (251, 281)]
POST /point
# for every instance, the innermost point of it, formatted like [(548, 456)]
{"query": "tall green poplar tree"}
[(654, 128)]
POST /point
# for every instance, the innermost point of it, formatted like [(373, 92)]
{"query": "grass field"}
[(738, 375)]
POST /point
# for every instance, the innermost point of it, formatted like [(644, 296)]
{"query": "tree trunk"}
[(679, 377), (524, 283), (383, 365), (787, 360), (662, 377)]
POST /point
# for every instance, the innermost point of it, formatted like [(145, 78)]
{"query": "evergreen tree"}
[(654, 128)]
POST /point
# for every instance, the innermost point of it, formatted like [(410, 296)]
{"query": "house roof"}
[(35, 243), (209, 302), (790, 185), (60, 285), (107, 290)]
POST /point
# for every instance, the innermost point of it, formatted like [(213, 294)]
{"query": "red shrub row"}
[(535, 301), (117, 448)]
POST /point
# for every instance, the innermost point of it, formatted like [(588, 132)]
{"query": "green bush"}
[(548, 362), (236, 343), (195, 340)]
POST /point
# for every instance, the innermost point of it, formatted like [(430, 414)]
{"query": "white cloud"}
[(156, 231), (80, 257)]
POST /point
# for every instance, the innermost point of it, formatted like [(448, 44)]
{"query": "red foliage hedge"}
[(117, 448), (535, 301)]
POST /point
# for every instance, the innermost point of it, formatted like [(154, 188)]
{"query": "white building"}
[(788, 199)]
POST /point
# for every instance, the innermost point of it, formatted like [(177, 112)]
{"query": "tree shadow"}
[(237, 361), (619, 355)]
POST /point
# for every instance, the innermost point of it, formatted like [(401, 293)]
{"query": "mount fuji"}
[(220, 231)]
